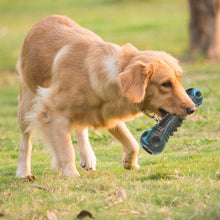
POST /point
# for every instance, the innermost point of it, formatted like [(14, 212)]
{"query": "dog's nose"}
[(191, 109)]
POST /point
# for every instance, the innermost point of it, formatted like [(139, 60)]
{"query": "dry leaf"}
[(84, 214), (122, 194), (117, 198), (29, 178), (51, 215)]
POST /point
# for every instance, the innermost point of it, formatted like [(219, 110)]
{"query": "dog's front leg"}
[(130, 145), (87, 156)]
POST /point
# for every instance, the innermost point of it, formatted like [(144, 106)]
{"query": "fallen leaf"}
[(117, 198), (51, 215), (29, 178), (214, 160), (122, 194), (84, 214)]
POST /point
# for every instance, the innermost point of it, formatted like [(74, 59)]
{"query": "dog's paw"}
[(129, 166), (88, 160), (70, 171), (130, 161), (29, 178)]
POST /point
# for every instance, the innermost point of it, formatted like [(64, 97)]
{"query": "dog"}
[(71, 79)]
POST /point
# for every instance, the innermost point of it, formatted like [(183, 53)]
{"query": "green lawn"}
[(182, 183)]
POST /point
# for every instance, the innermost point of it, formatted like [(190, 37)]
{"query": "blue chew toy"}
[(154, 140)]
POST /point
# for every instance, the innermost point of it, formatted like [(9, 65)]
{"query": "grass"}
[(182, 183)]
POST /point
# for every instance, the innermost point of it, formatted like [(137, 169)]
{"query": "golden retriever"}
[(71, 79)]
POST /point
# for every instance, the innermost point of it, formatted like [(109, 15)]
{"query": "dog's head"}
[(152, 80)]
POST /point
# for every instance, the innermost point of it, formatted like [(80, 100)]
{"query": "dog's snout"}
[(191, 109)]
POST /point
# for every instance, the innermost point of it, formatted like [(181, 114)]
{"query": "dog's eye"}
[(167, 85)]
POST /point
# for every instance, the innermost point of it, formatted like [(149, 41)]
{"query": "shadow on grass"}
[(157, 176)]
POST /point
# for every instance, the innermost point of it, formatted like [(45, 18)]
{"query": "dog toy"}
[(154, 140)]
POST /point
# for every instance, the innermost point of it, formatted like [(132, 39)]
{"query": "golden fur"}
[(70, 78)]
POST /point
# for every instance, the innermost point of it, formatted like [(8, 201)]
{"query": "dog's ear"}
[(134, 80), (125, 56)]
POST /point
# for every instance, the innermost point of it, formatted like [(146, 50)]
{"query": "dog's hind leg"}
[(87, 156), (56, 130), (24, 159), (130, 145)]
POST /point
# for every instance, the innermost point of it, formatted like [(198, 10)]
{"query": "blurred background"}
[(147, 24)]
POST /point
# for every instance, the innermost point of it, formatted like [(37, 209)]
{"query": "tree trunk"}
[(205, 28)]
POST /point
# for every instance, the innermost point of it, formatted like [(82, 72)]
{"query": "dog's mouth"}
[(163, 112), (158, 115)]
